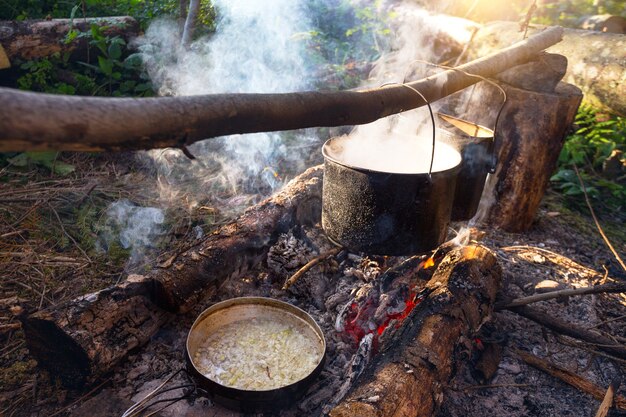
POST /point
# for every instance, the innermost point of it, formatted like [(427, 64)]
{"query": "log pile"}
[(86, 338)]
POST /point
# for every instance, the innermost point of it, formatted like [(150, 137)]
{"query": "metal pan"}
[(242, 308)]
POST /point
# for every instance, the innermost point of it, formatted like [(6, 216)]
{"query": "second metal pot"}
[(476, 145)]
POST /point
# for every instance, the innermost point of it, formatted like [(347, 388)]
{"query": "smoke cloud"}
[(269, 47)]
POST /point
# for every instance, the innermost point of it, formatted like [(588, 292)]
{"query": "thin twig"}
[(597, 338), (606, 288), (67, 234), (472, 387), (81, 398), (569, 377), (310, 265), (608, 321), (595, 219)]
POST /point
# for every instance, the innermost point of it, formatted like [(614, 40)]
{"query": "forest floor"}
[(53, 248)]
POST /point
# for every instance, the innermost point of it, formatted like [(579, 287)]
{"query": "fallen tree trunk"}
[(597, 63), (86, 337), (32, 39), (418, 359), (33, 121)]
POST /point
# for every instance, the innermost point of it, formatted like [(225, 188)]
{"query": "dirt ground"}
[(50, 252)]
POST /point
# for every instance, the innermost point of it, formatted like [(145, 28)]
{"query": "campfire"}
[(368, 307)]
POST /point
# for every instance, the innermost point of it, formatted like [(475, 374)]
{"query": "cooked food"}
[(258, 354)]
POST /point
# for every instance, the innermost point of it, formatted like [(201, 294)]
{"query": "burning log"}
[(33, 121), (84, 338), (239, 246), (32, 39), (418, 358)]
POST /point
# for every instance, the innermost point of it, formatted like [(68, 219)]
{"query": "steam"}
[(260, 47), (257, 48), (403, 143), (132, 227)]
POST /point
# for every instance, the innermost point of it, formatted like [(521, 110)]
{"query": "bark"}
[(597, 63), (84, 338), (418, 360), (32, 39), (239, 246), (529, 138), (33, 121)]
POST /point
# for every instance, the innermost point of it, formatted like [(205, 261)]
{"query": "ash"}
[(348, 295)]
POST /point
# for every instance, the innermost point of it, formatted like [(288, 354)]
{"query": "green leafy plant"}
[(47, 159), (596, 138), (569, 13)]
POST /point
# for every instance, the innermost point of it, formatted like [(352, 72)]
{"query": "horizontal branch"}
[(34, 121)]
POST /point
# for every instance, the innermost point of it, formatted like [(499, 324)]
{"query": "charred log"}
[(239, 246), (84, 338), (417, 359)]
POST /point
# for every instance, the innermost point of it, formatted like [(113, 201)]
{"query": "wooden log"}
[(417, 361), (529, 139), (239, 246), (597, 62), (34, 121), (32, 39), (86, 337)]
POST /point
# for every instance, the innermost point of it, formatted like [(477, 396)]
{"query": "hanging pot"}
[(476, 145), (387, 213)]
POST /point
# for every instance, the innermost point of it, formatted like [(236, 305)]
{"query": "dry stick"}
[(310, 265), (36, 121), (599, 340), (81, 398), (607, 402), (595, 219), (569, 377), (605, 288)]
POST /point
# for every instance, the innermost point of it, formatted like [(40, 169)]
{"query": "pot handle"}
[(494, 158), (432, 119)]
